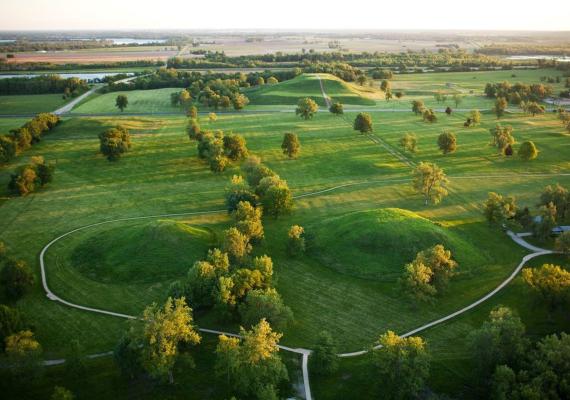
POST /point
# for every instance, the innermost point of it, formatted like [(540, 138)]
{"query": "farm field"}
[(364, 229), (30, 104), (86, 56)]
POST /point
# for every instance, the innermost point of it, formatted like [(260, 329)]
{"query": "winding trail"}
[(305, 353)]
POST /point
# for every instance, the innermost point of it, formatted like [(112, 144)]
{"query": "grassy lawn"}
[(124, 266), (30, 104)]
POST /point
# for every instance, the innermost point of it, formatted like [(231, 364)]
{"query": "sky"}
[(285, 14)]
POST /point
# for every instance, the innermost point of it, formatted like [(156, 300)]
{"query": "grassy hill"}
[(376, 244), (307, 85)]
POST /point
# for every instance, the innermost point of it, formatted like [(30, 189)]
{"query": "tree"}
[(239, 101), (24, 354), (563, 243), (11, 321), (447, 142), (165, 329), (184, 98), (388, 94), (558, 196), (336, 109), (418, 107), (402, 365), (115, 142), (363, 123), (528, 151), (500, 340), (409, 142), (551, 282), (502, 137), (323, 360), (265, 304), (499, 209), (441, 263), (542, 228), (272, 80), (416, 281), (385, 85), (235, 147), (430, 181), (248, 221), (428, 115), (193, 130), (16, 278), (306, 108), (127, 356), (121, 102), (277, 200), (296, 240), (75, 359), (448, 110), (457, 99), (399, 95), (260, 81), (361, 79), (534, 108), (238, 191), (28, 177), (236, 244), (61, 393), (475, 116), (212, 117), (501, 105), (192, 113), (251, 364), (291, 145)]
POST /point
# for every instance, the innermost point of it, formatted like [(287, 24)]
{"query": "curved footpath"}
[(305, 353)]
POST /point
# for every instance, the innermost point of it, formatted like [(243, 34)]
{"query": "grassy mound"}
[(376, 244), (307, 85), (147, 252)]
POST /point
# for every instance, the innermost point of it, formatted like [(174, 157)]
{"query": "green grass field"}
[(123, 266), (30, 104)]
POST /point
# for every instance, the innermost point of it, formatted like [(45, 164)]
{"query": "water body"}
[(90, 76), (539, 57), (135, 41)]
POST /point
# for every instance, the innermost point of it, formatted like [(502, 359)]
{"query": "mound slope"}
[(376, 244), (147, 252)]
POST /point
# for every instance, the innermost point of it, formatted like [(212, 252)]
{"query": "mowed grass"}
[(30, 104), (140, 101), (162, 175)]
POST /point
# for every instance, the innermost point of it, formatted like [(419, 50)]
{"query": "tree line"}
[(42, 84), (21, 139)]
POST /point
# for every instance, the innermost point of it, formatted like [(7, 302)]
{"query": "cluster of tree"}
[(23, 138), (216, 148), (522, 49), (428, 274), (28, 177), (550, 281), (378, 73), (502, 138), (263, 187), (509, 366), (114, 142), (336, 108), (531, 107), (69, 87), (519, 92), (553, 210), (403, 62)]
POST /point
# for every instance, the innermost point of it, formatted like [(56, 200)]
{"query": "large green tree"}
[(291, 145), (430, 181), (306, 108), (363, 123), (121, 102), (402, 365), (551, 281)]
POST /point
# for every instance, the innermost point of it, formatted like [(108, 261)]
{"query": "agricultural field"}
[(30, 104), (146, 218)]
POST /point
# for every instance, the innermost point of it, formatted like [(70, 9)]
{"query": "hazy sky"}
[(293, 14)]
